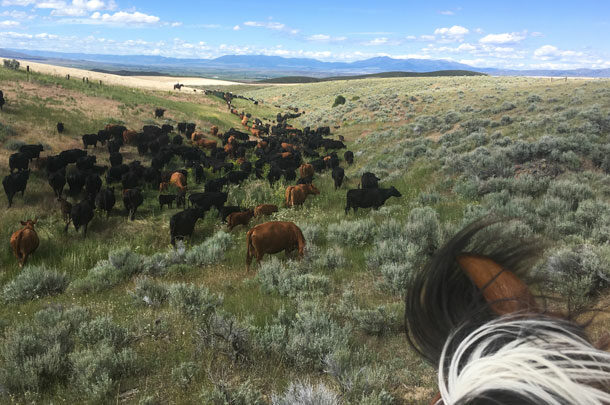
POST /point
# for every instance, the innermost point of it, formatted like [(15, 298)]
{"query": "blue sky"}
[(516, 34)]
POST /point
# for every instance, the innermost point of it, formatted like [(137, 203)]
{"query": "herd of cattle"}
[(277, 149)]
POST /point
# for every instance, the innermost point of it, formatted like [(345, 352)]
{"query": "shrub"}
[(184, 373), (331, 259), (34, 354), (288, 279), (578, 274), (223, 394), (423, 229), (34, 282), (312, 232), (304, 393), (224, 334), (358, 232), (395, 277), (193, 300), (338, 101), (210, 251), (102, 330), (96, 371), (11, 64), (11, 144), (571, 191), (149, 293)]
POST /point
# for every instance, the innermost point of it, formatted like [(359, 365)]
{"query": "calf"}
[(72, 155), (215, 185), (60, 127), (271, 238), (338, 175), (178, 179), (116, 159), (93, 185), (265, 209), (349, 157), (167, 199), (296, 195), (228, 210), (182, 224), (76, 181), (239, 218), (237, 176), (159, 112), (306, 170), (369, 180), (105, 200), (90, 139), (132, 199), (13, 183), (65, 208), (31, 151), (57, 181), (81, 214), (24, 241), (367, 198)]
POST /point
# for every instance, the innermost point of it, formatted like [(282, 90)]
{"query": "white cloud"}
[(446, 12), (22, 3), (479, 30), (176, 24), (16, 15), (324, 38), (44, 35), (376, 41), (466, 48), (411, 37), (9, 23), (236, 28), (269, 25), (537, 34), (550, 52), (427, 37), (455, 31), (505, 38), (123, 17), (75, 8)]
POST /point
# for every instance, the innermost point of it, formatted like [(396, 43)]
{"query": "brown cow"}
[(255, 132), (262, 144), (24, 241), (273, 237), (287, 146), (296, 195), (214, 130), (229, 149), (244, 121), (130, 137), (207, 143), (179, 180), (286, 155), (231, 140), (306, 170), (239, 218), (265, 209), (196, 136)]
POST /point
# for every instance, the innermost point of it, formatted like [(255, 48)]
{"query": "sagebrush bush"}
[(34, 354), (304, 393), (290, 279), (358, 232), (224, 394), (96, 371), (571, 191), (193, 300), (225, 334), (423, 229), (184, 373), (148, 292), (210, 251), (312, 233), (34, 282), (102, 330)]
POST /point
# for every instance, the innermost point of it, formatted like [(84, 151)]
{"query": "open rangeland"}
[(122, 316)]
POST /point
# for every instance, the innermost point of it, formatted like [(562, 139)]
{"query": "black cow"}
[(116, 173), (182, 127), (18, 161), (103, 136), (166, 128), (13, 183), (228, 210), (113, 146), (199, 174), (215, 185), (349, 157), (130, 180), (132, 199), (31, 151), (116, 159), (86, 163), (159, 112), (236, 176), (57, 181), (367, 198), (369, 180), (72, 155), (93, 185), (182, 224), (1, 100), (167, 199), (338, 175), (105, 200), (76, 181), (90, 139), (55, 163), (60, 127), (208, 200), (80, 215), (177, 140)]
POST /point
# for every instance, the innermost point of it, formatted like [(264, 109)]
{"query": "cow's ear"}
[(23, 223), (501, 288)]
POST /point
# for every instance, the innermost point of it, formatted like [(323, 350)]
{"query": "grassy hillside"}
[(306, 79), (131, 320)]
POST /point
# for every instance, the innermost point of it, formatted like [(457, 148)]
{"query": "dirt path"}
[(143, 82)]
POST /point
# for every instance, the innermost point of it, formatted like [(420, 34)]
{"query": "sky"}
[(516, 34)]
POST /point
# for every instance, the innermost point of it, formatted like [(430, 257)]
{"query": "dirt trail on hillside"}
[(143, 82)]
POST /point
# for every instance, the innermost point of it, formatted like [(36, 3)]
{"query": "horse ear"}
[(501, 288)]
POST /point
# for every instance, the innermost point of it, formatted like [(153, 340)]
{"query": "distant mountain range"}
[(264, 67)]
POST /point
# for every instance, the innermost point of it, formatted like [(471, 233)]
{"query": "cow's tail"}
[(300, 241), (250, 249), (16, 248)]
